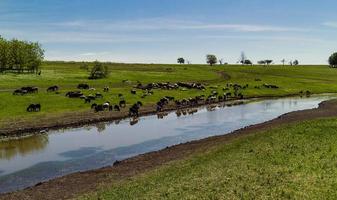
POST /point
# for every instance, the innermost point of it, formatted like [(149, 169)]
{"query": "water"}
[(25, 162)]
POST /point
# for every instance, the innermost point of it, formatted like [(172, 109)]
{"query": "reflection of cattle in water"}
[(75, 94), (53, 88), (178, 113), (211, 107), (192, 111), (134, 121), (161, 115), (34, 108), (83, 86)]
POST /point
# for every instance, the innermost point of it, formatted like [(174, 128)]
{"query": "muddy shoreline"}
[(80, 183), (76, 120)]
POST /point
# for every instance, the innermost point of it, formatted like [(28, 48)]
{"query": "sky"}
[(160, 31)]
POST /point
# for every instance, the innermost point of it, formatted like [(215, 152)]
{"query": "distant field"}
[(291, 80), (291, 162)]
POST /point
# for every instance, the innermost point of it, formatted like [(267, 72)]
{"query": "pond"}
[(30, 160)]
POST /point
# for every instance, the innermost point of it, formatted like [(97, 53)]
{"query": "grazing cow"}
[(93, 106), (134, 110), (76, 94), (106, 105), (30, 89), (122, 103), (133, 92), (98, 95), (34, 108), (20, 92), (83, 86), (91, 97), (99, 108), (106, 89), (53, 88), (87, 100), (117, 108)]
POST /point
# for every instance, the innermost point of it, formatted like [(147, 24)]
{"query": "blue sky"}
[(159, 31)]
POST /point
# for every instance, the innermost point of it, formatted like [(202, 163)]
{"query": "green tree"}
[(295, 62), (211, 59), (333, 60), (181, 60), (98, 71)]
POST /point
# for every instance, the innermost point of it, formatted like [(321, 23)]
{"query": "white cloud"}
[(171, 24), (330, 24)]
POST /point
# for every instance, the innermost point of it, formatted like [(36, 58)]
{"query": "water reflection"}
[(23, 146), (100, 127)]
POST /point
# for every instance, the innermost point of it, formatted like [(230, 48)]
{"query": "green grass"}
[(67, 75), (296, 161)]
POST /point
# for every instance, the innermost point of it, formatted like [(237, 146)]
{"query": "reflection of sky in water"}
[(87, 148)]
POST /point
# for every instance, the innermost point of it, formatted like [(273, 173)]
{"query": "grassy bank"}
[(291, 80), (291, 162)]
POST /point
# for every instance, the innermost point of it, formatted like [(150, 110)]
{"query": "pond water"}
[(27, 161)]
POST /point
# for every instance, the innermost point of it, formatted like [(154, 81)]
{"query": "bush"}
[(98, 71)]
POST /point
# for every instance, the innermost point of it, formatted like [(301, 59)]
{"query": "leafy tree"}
[(283, 61), (243, 58), (247, 62), (19, 56), (98, 71), (268, 62), (211, 59), (261, 62), (181, 60), (295, 62), (333, 60)]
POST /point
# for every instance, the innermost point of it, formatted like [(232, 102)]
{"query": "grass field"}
[(291, 80), (290, 162)]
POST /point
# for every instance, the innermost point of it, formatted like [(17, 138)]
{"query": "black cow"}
[(83, 86), (76, 94), (122, 103), (53, 88), (34, 108)]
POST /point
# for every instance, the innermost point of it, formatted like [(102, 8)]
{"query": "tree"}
[(333, 60), (181, 60), (247, 62), (221, 61), (268, 62), (243, 58), (19, 56), (98, 71), (211, 59), (295, 62), (261, 62), (283, 61)]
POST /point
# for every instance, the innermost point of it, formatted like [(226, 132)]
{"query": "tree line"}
[(19, 56), (212, 60)]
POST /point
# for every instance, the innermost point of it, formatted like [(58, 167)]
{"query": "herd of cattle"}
[(162, 105)]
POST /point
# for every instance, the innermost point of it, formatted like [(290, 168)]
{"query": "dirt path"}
[(80, 183)]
